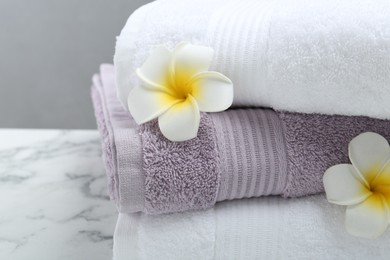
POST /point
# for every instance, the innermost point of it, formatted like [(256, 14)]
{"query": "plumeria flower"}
[(364, 186), (175, 87)]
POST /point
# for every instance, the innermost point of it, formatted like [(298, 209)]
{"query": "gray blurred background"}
[(49, 50)]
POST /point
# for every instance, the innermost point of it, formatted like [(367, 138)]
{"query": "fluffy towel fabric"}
[(180, 175), (239, 153), (331, 57), (266, 228)]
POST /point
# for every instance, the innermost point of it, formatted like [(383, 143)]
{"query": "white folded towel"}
[(265, 228), (310, 56)]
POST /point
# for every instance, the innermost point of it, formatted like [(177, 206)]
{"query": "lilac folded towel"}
[(238, 153)]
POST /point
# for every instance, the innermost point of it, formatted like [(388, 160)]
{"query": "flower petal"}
[(384, 190), (368, 153), (368, 219), (155, 72), (181, 122), (342, 187), (212, 90), (189, 60), (383, 178), (145, 104)]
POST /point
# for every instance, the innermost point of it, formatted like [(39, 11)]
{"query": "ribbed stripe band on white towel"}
[(239, 34), (249, 231)]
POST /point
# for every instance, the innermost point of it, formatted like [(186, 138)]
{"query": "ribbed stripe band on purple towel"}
[(253, 157), (239, 153)]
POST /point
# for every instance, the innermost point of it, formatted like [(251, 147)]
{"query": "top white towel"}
[(310, 56)]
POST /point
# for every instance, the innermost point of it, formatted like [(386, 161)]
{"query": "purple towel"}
[(238, 153)]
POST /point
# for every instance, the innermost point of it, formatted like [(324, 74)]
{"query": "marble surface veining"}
[(53, 197)]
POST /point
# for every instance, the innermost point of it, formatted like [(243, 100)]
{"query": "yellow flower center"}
[(379, 185), (179, 84)]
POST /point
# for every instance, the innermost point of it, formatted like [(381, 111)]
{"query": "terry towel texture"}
[(238, 153), (331, 57), (265, 228)]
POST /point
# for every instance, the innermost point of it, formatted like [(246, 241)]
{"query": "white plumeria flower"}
[(363, 186), (175, 87)]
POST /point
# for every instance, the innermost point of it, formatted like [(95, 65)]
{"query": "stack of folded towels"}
[(309, 76)]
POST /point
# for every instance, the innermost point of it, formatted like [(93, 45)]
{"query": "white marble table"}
[(53, 198)]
